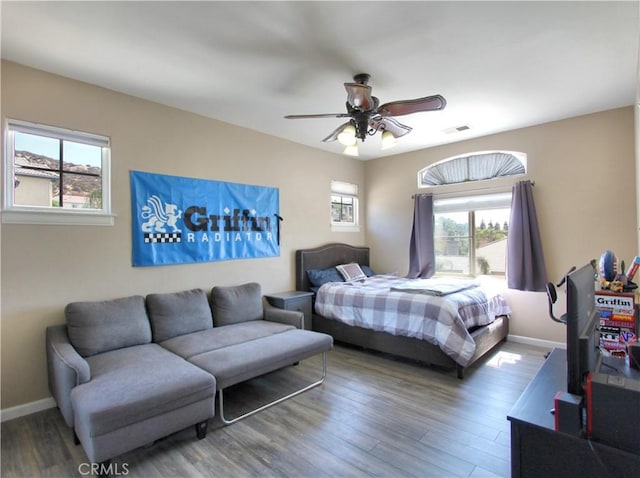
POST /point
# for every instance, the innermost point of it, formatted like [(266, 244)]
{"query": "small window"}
[(470, 234), (478, 166), (344, 206), (55, 176)]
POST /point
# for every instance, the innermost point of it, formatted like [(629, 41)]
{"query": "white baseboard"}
[(519, 339), (26, 409)]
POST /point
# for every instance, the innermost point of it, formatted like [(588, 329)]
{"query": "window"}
[(470, 234), (473, 167), (344, 206), (55, 176)]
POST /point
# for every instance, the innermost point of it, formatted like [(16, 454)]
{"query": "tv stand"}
[(614, 404), (538, 450)]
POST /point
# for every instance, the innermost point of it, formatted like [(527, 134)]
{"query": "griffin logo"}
[(158, 219)]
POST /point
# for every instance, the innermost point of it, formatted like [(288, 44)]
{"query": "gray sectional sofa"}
[(128, 371)]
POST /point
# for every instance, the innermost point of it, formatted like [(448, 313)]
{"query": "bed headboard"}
[(329, 255)]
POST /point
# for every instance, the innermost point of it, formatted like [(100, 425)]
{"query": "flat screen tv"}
[(583, 339)]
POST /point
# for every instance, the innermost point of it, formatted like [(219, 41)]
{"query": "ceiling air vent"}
[(455, 129)]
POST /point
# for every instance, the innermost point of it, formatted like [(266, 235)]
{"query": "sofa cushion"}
[(136, 383), (178, 313), (234, 304), (197, 343), (100, 326), (243, 361)]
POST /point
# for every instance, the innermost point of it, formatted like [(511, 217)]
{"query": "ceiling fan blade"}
[(399, 108), (334, 135), (389, 124), (328, 115), (359, 96)]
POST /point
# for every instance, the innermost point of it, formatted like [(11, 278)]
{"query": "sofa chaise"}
[(128, 371)]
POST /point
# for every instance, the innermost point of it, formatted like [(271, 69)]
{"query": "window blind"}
[(344, 189), (478, 201)]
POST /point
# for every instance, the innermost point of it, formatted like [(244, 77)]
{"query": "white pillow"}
[(351, 272)]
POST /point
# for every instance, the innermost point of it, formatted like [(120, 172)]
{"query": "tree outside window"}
[(471, 242), (342, 209)]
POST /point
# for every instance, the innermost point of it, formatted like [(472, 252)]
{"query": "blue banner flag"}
[(180, 220)]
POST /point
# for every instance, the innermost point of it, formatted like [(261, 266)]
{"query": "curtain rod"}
[(500, 189)]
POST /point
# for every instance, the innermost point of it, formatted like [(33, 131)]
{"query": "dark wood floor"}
[(373, 416)]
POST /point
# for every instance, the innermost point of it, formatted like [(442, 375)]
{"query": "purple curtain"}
[(422, 259), (525, 260)]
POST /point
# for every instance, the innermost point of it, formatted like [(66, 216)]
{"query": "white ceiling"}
[(500, 65)]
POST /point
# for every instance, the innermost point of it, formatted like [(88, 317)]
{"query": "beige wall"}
[(585, 194), (45, 267)]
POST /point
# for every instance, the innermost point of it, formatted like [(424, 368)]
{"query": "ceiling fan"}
[(367, 116)]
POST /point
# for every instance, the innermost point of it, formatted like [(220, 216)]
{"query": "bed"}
[(476, 340)]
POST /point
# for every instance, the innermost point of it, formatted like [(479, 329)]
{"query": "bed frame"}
[(331, 255)]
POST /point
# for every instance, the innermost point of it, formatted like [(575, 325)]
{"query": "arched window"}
[(478, 166)]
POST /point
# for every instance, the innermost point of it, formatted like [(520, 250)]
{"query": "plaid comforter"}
[(440, 320)]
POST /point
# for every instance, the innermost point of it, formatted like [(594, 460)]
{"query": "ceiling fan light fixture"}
[(388, 140), (368, 117), (351, 150), (348, 135)]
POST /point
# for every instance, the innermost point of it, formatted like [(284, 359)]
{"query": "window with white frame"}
[(55, 176), (344, 206), (470, 234)]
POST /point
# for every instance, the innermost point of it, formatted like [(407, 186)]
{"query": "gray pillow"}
[(178, 313), (96, 327), (231, 305)]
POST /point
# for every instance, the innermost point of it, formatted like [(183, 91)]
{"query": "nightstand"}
[(294, 300)]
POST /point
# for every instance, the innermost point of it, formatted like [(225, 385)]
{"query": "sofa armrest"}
[(289, 317), (65, 368)]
